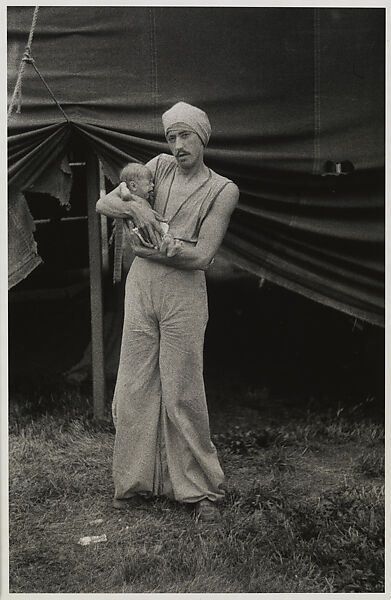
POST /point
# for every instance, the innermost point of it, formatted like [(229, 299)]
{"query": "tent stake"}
[(95, 258)]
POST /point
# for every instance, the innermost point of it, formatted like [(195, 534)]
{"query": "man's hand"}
[(170, 246), (146, 220), (148, 223), (139, 246)]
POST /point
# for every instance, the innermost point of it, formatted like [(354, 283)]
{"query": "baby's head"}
[(138, 179)]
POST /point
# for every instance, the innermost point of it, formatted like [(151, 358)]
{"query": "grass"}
[(303, 512)]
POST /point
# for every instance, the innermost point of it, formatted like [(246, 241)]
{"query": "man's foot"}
[(132, 502), (206, 511)]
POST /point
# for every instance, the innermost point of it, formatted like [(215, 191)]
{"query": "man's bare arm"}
[(211, 235)]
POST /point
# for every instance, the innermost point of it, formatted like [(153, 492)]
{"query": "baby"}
[(138, 180)]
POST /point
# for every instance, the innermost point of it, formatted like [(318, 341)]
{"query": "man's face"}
[(144, 186), (185, 145)]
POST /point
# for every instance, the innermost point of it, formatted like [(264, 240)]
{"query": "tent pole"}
[(103, 223), (95, 259)]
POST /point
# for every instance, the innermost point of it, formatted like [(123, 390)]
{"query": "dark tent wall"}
[(290, 93)]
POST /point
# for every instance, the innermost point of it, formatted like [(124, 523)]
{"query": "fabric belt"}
[(118, 240)]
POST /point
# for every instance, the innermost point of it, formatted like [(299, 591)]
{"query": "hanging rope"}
[(32, 62), (27, 58), (17, 95)]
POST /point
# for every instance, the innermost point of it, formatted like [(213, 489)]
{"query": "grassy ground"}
[(296, 397), (303, 510)]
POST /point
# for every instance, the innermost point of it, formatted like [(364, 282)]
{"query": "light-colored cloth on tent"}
[(162, 444), (22, 248)]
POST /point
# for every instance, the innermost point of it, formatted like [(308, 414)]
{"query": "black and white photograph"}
[(195, 319)]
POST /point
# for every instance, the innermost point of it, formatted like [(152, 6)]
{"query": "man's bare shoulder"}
[(228, 197), (228, 187), (231, 189)]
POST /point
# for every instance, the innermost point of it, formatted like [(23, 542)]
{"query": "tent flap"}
[(22, 249)]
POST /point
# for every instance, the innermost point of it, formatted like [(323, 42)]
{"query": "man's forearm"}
[(114, 207), (189, 258)]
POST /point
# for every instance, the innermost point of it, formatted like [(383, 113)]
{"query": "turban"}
[(195, 118)]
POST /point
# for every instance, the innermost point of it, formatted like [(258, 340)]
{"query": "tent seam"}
[(317, 117), (154, 79)]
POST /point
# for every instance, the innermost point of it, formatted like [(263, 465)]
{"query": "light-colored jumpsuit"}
[(162, 444)]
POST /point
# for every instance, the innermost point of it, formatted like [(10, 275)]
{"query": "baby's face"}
[(144, 186)]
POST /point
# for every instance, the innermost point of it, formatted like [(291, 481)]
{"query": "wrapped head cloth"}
[(195, 118)]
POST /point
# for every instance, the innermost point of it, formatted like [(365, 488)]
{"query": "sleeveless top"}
[(186, 220)]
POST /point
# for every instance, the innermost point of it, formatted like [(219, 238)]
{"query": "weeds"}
[(287, 526), (341, 534), (316, 429), (371, 462), (244, 442)]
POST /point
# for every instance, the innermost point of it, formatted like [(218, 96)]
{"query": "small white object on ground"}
[(96, 522), (93, 539)]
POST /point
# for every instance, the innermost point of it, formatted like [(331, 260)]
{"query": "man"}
[(163, 444)]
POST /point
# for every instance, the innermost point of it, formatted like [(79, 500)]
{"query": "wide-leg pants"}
[(162, 444)]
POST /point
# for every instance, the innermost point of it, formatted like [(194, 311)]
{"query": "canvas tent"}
[(296, 101)]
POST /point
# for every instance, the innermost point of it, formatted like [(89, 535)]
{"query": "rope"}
[(32, 62), (17, 95), (27, 58)]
